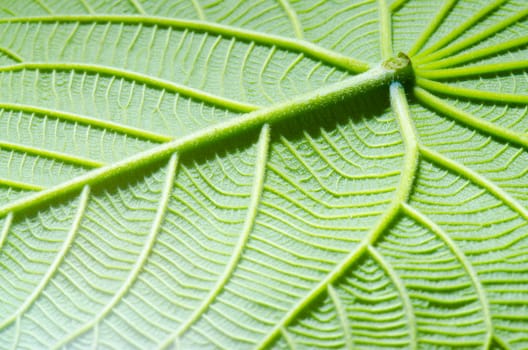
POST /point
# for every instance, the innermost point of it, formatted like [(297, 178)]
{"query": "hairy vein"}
[(321, 98), (385, 29), (399, 103)]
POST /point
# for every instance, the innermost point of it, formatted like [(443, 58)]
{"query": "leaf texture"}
[(210, 174)]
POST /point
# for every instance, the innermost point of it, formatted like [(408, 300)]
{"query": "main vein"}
[(318, 99)]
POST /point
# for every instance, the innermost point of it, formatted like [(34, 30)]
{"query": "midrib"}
[(382, 75)]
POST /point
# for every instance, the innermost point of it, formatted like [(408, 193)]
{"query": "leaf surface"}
[(263, 174)]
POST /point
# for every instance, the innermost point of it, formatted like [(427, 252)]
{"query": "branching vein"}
[(141, 259), (430, 225), (256, 194)]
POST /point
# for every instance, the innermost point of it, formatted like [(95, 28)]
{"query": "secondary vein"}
[(399, 103), (86, 120), (200, 95), (468, 119), (256, 193), (37, 290), (425, 221), (476, 178), (141, 259), (306, 47)]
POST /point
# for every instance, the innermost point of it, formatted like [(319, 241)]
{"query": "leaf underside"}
[(137, 210)]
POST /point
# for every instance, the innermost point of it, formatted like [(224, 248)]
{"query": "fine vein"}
[(294, 19), (11, 54), (83, 201), (256, 193), (88, 7), (141, 259), (5, 229), (199, 9), (138, 7), (342, 315)]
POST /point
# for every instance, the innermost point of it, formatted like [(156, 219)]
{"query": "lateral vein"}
[(142, 78), (141, 259), (500, 97), (465, 118), (399, 103), (475, 177), (481, 293), (256, 194), (294, 19), (310, 49), (86, 120), (402, 290), (83, 201)]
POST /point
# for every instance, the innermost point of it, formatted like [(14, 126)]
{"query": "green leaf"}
[(267, 174)]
